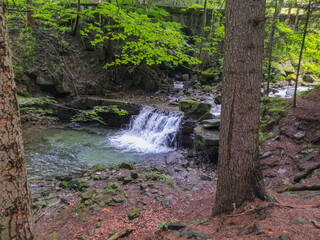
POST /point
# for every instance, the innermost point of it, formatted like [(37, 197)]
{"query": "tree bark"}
[(30, 18), (288, 15), (239, 172), (296, 21), (15, 203), (76, 23)]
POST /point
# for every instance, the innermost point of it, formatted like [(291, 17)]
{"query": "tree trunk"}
[(15, 202), (30, 18), (276, 14), (296, 21), (288, 15), (240, 176), (305, 30), (76, 23)]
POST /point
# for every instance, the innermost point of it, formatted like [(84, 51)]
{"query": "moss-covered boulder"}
[(194, 109), (127, 165), (89, 194)]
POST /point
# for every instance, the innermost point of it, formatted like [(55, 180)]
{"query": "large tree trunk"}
[(15, 203), (239, 172)]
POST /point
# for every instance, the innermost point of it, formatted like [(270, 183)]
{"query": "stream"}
[(62, 150)]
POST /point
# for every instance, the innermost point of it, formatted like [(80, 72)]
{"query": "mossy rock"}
[(207, 89), (127, 165), (127, 179), (89, 194), (134, 174), (194, 109)]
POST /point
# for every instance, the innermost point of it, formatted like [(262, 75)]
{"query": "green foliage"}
[(144, 39), (99, 168), (32, 106), (288, 44), (93, 115), (23, 92)]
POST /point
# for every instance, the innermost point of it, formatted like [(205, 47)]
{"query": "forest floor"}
[(173, 199)]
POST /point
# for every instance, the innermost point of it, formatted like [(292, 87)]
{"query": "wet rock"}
[(134, 213), (173, 157), (211, 123), (194, 109), (207, 137), (74, 125), (218, 99)]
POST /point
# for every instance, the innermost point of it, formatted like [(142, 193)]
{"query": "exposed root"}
[(305, 174)]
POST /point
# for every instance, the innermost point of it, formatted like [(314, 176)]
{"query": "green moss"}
[(99, 168), (207, 89)]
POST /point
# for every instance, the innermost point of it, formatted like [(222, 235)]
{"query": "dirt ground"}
[(179, 207)]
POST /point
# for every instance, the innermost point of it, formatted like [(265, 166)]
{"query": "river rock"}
[(207, 137), (288, 68), (194, 109), (185, 77), (127, 165), (88, 194), (309, 78), (173, 157), (211, 123)]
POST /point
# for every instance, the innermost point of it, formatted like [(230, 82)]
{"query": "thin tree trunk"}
[(296, 21), (15, 203), (276, 14), (30, 18), (74, 31), (239, 172), (305, 30), (288, 15)]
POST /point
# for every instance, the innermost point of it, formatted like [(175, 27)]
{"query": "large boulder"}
[(309, 78), (288, 68), (194, 109)]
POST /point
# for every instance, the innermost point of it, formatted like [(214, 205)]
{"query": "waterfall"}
[(152, 131)]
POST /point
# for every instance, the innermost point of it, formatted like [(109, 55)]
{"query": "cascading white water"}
[(152, 131)]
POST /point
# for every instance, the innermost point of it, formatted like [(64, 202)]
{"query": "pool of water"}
[(61, 150)]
